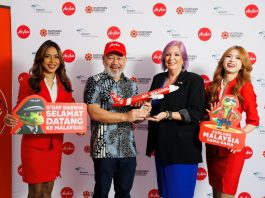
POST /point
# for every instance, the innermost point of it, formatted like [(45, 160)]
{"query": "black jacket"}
[(177, 141)]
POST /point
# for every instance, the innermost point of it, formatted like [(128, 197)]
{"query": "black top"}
[(177, 141)]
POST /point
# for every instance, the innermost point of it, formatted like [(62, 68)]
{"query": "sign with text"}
[(36, 116), (221, 130)]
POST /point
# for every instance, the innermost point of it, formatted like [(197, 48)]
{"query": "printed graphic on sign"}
[(221, 130), (36, 116)]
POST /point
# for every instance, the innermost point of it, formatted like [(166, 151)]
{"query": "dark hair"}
[(183, 53), (242, 76), (36, 72)]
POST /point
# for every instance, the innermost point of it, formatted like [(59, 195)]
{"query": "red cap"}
[(115, 46)]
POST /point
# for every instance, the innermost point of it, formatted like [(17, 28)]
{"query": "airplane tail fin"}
[(118, 101)]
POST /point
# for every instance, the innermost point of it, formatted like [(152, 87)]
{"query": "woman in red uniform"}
[(232, 76), (41, 154)]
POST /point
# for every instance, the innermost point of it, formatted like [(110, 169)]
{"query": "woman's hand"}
[(10, 120), (158, 117)]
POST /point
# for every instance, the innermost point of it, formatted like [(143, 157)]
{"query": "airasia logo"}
[(201, 174), (204, 34), (68, 55), (68, 8), (113, 32), (19, 170), (252, 58), (159, 9), (263, 153), (23, 31), (244, 195), (206, 80), (153, 193), (249, 152), (251, 11), (68, 148), (67, 192), (156, 56)]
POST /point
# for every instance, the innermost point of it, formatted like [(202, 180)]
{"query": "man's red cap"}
[(115, 46)]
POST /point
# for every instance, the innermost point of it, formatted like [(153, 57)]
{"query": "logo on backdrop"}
[(244, 195), (181, 10), (252, 57), (87, 149), (249, 152), (19, 170), (153, 193), (142, 33), (90, 9), (23, 31), (67, 192), (204, 34), (262, 34), (251, 11), (159, 9), (44, 32), (68, 55), (68, 8), (156, 56), (130, 10), (221, 130), (231, 35), (206, 81), (113, 32), (87, 194), (259, 175), (39, 9), (144, 81), (174, 34), (85, 33), (201, 174), (68, 148), (222, 11)]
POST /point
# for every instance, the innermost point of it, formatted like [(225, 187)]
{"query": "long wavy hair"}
[(36, 72), (183, 53), (242, 76)]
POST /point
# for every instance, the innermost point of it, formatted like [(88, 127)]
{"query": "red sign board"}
[(221, 130), (36, 116)]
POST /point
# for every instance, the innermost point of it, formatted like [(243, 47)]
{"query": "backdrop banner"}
[(82, 28)]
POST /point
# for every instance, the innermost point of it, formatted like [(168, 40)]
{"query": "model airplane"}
[(154, 94)]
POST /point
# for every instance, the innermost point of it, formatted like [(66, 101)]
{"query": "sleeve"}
[(91, 92), (250, 104), (24, 88), (196, 101)]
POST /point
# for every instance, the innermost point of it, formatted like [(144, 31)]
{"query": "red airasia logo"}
[(23, 31), (68, 8), (201, 174), (68, 148), (153, 193), (67, 192), (113, 32), (206, 80), (159, 9), (68, 55), (244, 195), (156, 56), (204, 34), (263, 153), (252, 57), (251, 11), (249, 152), (19, 170)]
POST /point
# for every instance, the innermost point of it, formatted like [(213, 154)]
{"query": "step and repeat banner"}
[(82, 28)]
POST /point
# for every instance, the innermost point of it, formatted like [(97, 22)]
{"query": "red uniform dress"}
[(41, 154), (224, 167)]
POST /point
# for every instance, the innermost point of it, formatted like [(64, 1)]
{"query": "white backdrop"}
[(82, 28)]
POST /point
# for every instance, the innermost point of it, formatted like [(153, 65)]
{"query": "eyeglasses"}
[(230, 99)]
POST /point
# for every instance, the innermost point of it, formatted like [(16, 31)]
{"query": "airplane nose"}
[(173, 88)]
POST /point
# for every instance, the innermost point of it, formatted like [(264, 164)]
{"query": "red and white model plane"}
[(154, 94)]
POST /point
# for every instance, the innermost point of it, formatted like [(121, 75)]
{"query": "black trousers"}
[(121, 170)]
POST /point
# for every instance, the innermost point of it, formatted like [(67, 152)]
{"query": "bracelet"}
[(167, 115)]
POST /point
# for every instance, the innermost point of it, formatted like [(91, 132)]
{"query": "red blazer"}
[(44, 141)]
